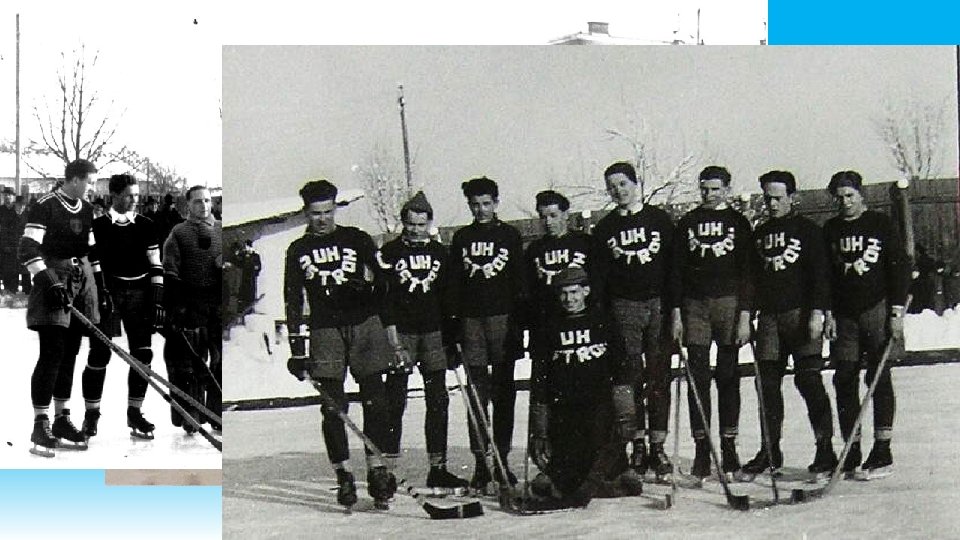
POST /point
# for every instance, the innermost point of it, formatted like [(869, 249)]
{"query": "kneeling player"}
[(792, 294), (579, 421)]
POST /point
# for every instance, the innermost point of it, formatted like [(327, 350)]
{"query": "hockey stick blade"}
[(467, 510), (801, 495), (737, 502)]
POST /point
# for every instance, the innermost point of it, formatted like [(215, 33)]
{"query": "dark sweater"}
[(57, 227), (124, 248), (486, 275), (791, 270), (416, 273), (712, 256), (544, 258), (340, 275), (633, 254), (577, 358), (867, 262)]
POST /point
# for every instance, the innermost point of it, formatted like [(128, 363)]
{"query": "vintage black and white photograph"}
[(658, 290), (110, 257)]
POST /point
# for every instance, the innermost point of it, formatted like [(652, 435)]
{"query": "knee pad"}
[(143, 354), (847, 373), (435, 391)]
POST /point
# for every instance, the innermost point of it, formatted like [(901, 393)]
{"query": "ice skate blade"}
[(42, 451), (142, 436), (70, 445), (867, 475)]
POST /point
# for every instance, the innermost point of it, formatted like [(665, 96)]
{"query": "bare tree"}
[(912, 134), (160, 178), (79, 126), (665, 179), (382, 178)]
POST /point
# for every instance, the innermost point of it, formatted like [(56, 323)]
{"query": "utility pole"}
[(17, 177), (406, 146)]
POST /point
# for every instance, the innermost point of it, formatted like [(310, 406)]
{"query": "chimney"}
[(598, 28)]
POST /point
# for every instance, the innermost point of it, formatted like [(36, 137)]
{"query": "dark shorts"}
[(77, 276), (362, 347), (132, 305), (787, 333), (641, 324), (484, 339), (866, 332), (426, 350), (710, 319)]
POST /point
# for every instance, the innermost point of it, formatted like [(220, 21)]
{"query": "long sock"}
[(700, 368), (437, 416), (504, 403), (728, 388)]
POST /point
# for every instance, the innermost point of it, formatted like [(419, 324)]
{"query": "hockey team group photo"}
[(612, 287)]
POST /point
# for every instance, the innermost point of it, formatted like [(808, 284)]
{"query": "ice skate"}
[(659, 463), (852, 463), (43, 440), (346, 488), (381, 485), (441, 482), (68, 436), (760, 464), (481, 478), (140, 428), (729, 460), (91, 418), (701, 459), (824, 462), (879, 463)]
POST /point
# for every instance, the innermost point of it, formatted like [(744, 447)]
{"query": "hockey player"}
[(711, 284), (869, 280), (546, 256), (192, 268), (55, 245), (485, 282), (335, 270), (633, 246), (416, 268), (129, 255), (582, 407), (792, 295)]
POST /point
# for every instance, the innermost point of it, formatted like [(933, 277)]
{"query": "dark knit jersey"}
[(193, 254), (633, 253), (791, 270), (486, 275), (866, 261), (547, 256), (416, 273), (338, 275), (57, 227), (127, 248), (712, 256), (580, 357)]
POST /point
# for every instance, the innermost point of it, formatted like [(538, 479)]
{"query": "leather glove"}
[(103, 296), (53, 288), (159, 313), (539, 444), (624, 412), (297, 365)]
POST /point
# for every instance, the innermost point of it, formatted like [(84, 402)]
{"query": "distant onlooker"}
[(168, 217), (250, 267), (10, 233)]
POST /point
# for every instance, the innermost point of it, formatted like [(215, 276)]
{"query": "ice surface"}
[(113, 447), (277, 480)]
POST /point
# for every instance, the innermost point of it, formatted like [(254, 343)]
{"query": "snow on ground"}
[(277, 481), (112, 448)]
